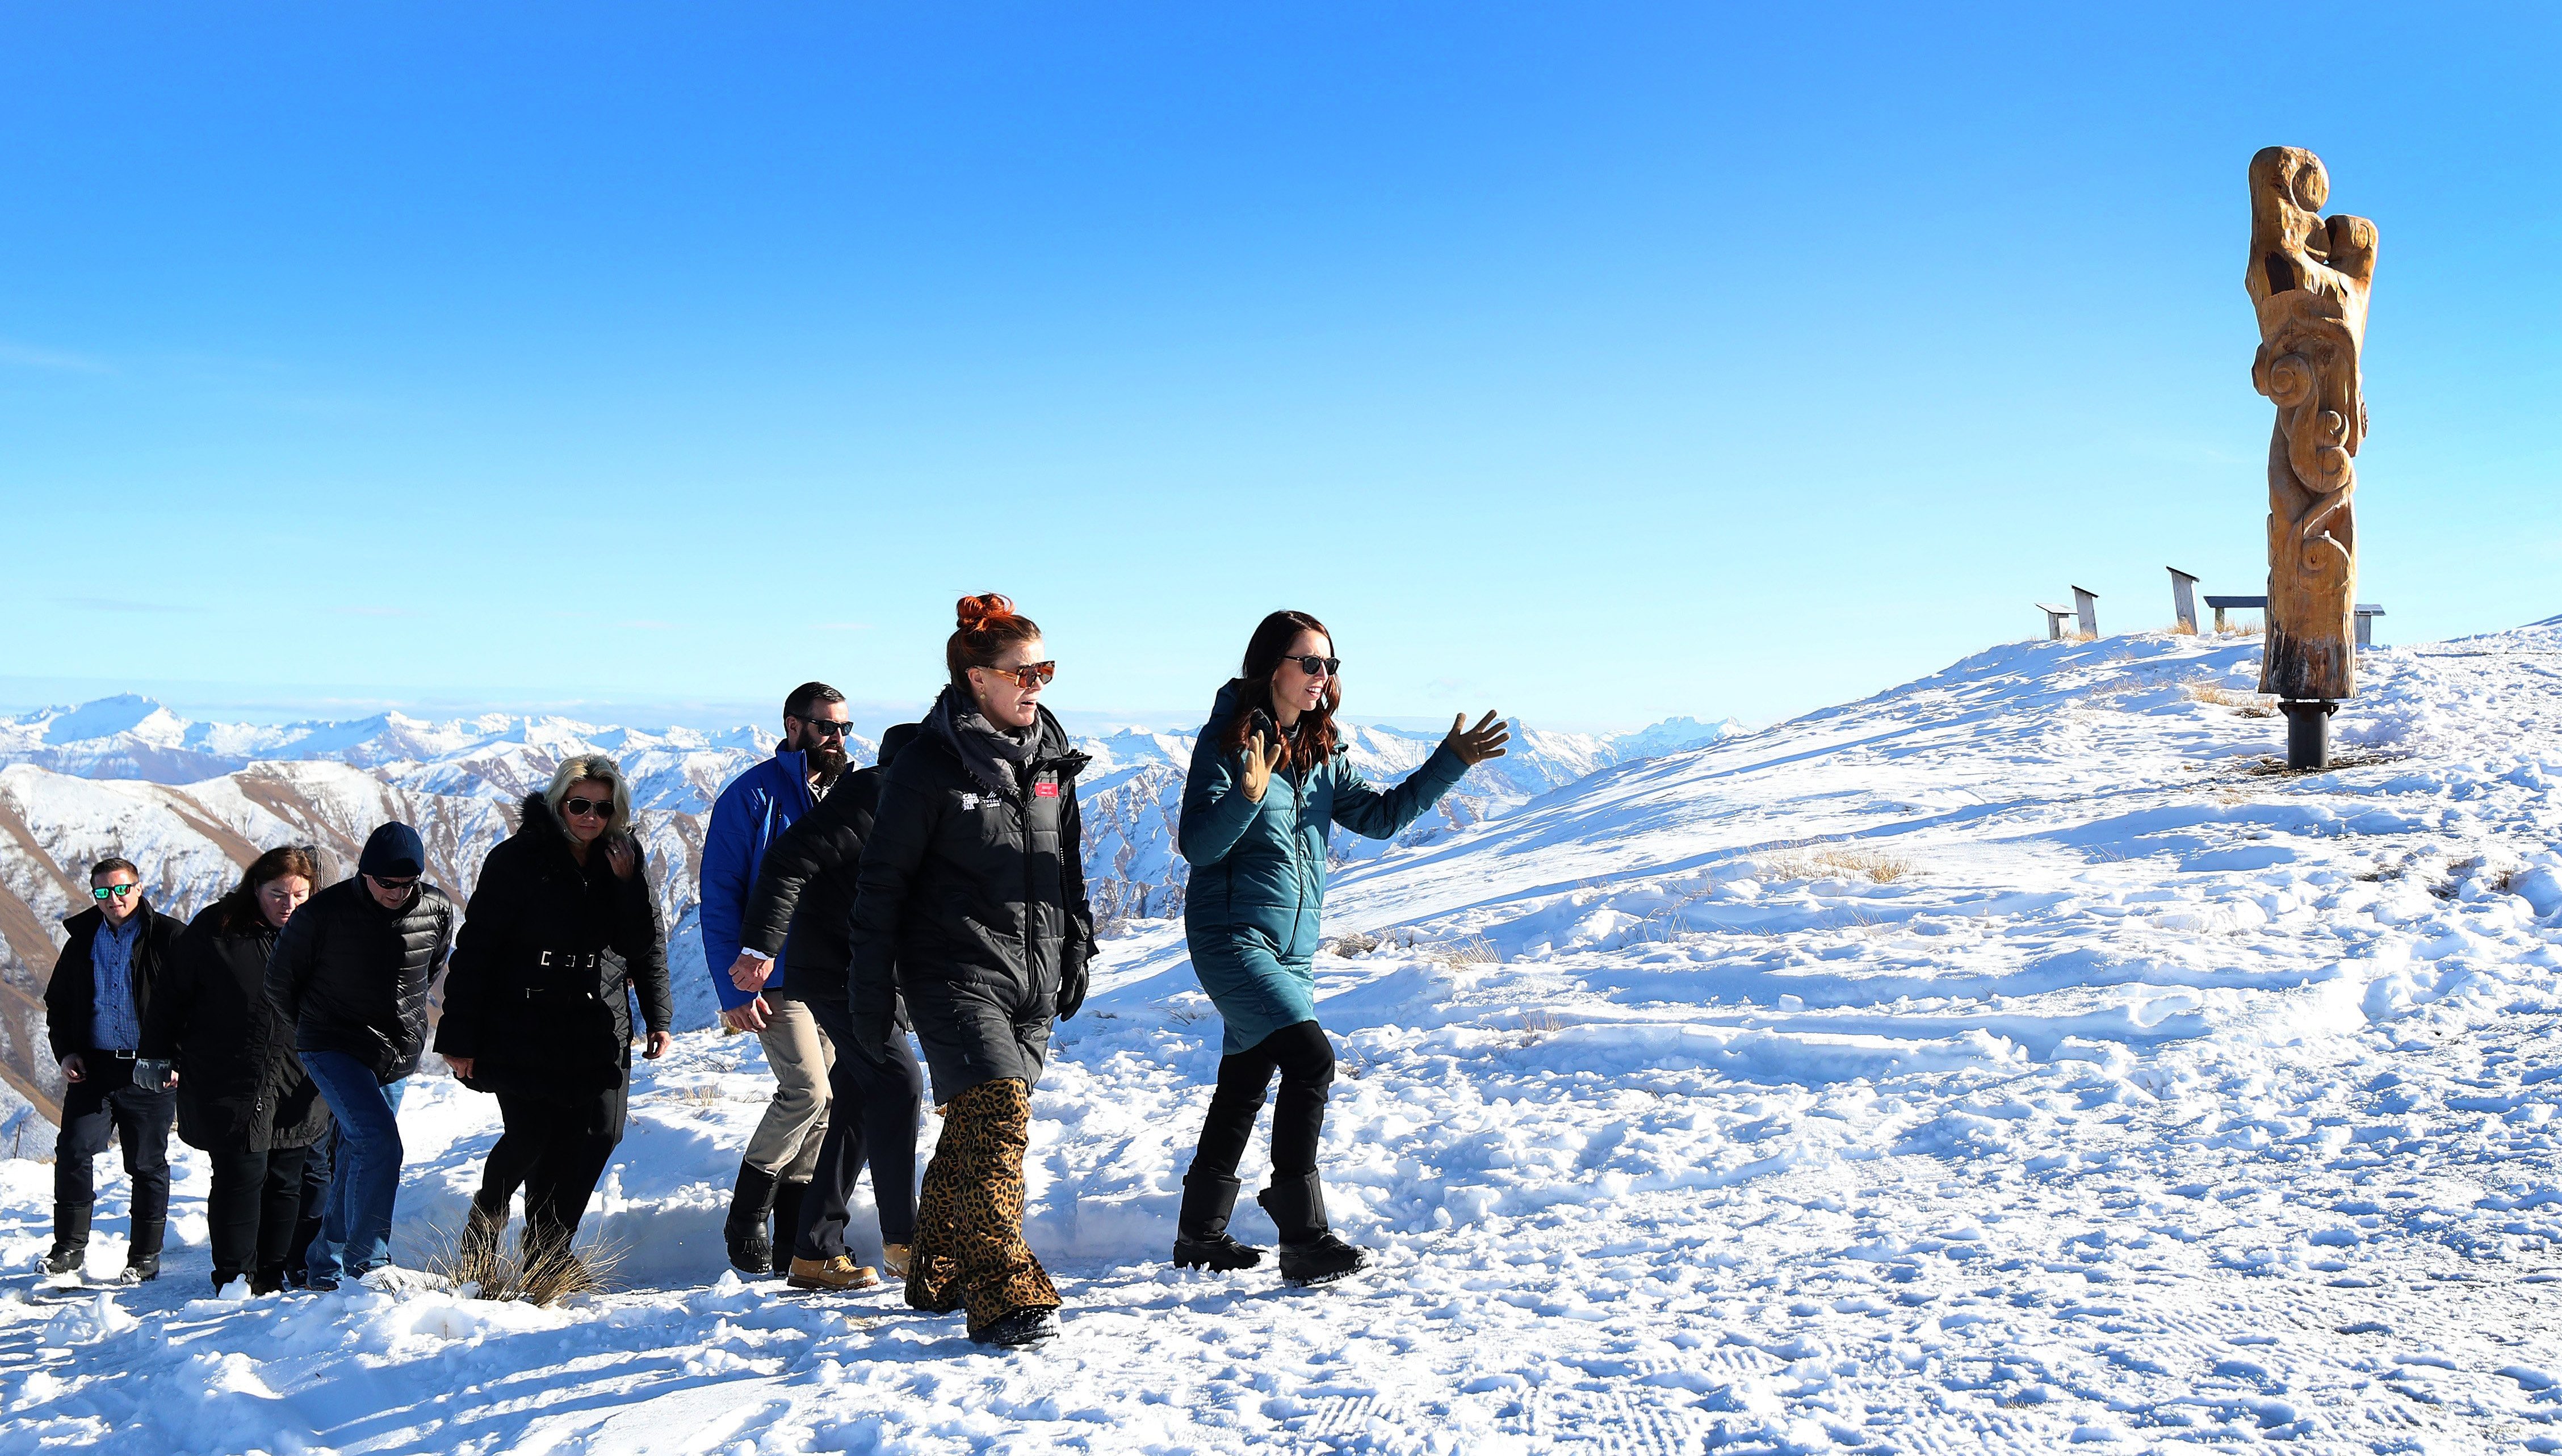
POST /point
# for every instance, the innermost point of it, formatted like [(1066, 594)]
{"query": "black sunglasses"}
[(600, 807), (1316, 666), (394, 886), (829, 727), (100, 892)]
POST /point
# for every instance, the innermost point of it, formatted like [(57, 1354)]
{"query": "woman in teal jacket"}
[(1268, 783)]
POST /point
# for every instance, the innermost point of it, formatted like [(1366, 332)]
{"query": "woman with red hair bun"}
[(1268, 782), (971, 905)]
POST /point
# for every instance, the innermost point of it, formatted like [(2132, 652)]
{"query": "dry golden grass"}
[(552, 1274), (1466, 950), (1828, 864), (2182, 628), (2251, 705)]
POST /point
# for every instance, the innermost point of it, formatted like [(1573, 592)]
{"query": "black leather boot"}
[(1310, 1252), (1201, 1239), (750, 1251), (71, 1240), (787, 1219), (142, 1261)]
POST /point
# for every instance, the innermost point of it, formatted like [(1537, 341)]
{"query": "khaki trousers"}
[(785, 1140)]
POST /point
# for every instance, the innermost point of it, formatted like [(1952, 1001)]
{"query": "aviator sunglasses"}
[(582, 807), (1029, 675)]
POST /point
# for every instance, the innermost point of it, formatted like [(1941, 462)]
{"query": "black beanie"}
[(394, 852)]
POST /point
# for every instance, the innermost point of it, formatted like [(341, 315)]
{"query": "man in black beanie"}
[(352, 972)]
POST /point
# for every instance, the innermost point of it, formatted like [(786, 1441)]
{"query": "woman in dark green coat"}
[(1268, 783)]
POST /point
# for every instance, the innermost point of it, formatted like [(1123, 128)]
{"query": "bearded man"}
[(754, 990)]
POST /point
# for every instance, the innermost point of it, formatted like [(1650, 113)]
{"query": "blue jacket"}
[(1258, 879), (750, 815)]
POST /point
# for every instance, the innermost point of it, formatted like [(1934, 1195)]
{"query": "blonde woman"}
[(560, 930)]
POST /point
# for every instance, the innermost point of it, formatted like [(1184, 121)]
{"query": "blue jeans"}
[(364, 1173)]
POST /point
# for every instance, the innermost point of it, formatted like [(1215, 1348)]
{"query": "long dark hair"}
[(1313, 739), (240, 912)]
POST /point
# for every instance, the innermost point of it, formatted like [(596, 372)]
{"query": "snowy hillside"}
[(2007, 1062)]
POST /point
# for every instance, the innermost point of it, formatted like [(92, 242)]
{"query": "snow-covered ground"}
[(2007, 1062)]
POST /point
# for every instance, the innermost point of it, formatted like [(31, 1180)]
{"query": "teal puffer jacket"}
[(1258, 870)]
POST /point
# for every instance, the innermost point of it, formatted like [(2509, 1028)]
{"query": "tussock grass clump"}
[(1355, 944), (1466, 950), (2249, 704), (546, 1275), (1829, 863)]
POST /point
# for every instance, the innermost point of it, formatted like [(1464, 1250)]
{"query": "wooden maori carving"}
[(2308, 278)]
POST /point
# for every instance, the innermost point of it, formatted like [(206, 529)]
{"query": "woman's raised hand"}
[(1260, 761), (1476, 745), (620, 853)]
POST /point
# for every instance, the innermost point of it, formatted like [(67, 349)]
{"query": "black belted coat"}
[(545, 965)]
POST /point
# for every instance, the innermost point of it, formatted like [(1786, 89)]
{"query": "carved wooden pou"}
[(2308, 278)]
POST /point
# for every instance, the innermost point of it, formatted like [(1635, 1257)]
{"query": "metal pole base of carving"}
[(2308, 733)]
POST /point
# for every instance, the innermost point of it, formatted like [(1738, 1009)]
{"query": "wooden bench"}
[(2085, 612), (2366, 612)]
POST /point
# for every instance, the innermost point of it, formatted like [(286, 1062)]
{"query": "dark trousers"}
[(555, 1149), (1306, 1061), (251, 1213), (871, 1118), (106, 1100), (311, 1203)]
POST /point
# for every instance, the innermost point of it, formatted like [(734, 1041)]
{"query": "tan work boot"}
[(836, 1274), (895, 1259)]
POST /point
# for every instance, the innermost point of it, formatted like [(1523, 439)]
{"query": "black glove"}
[(1071, 987), (871, 1033)]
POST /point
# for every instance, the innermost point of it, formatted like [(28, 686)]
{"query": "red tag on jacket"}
[(1045, 791)]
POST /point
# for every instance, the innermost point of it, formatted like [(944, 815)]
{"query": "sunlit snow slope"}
[(2007, 1062)]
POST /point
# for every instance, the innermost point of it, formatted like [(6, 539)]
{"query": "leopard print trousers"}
[(968, 1249)]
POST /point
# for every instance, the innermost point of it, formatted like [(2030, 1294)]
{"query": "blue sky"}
[(1594, 363)]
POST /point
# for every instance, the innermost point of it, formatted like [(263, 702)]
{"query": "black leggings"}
[(251, 1213), (1306, 1061), (556, 1150)]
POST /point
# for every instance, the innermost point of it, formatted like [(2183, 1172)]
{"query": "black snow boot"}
[(787, 1219), (71, 1240), (1201, 1239), (142, 1261), (1310, 1252), (1023, 1327), (750, 1250)]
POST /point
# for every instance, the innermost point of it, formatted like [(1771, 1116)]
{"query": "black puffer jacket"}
[(971, 902), (803, 906), (70, 997), (353, 977), (549, 955), (241, 1088)]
